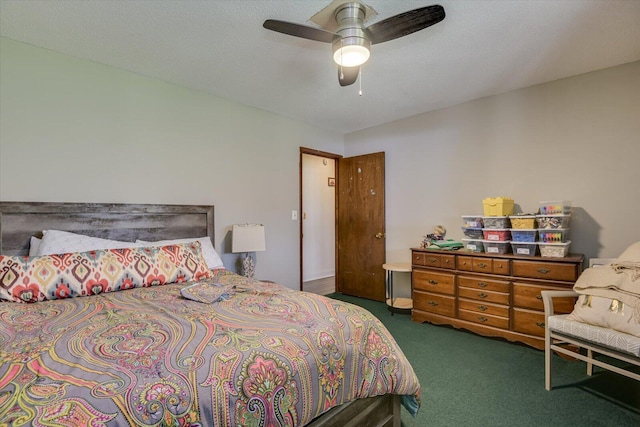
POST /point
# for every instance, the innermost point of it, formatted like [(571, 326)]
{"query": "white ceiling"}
[(481, 48)]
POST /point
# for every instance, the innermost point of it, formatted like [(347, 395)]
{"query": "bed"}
[(207, 347)]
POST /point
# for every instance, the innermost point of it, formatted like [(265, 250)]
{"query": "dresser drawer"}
[(465, 263), (545, 270), (482, 307), (482, 283), (434, 282), (434, 303), (528, 295), (434, 260), (528, 322), (417, 258), (484, 319), (482, 265), (485, 296), (501, 266)]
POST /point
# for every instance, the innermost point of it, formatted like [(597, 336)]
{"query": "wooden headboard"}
[(128, 222)]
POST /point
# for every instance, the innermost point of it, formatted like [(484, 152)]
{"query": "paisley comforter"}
[(257, 354)]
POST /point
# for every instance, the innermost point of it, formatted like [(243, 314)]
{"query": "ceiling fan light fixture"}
[(350, 38), (351, 52)]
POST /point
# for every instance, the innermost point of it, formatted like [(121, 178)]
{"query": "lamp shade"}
[(248, 238)]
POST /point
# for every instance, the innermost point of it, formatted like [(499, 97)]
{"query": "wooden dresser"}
[(491, 295)]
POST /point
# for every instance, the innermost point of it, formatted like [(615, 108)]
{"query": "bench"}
[(569, 337)]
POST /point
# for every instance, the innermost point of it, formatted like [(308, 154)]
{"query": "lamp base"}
[(248, 265)]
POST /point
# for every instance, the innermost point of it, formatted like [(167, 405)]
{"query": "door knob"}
[(379, 235)]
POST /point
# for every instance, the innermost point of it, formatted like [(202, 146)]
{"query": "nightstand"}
[(400, 305)]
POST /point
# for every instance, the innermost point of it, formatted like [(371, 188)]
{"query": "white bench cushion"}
[(603, 336)]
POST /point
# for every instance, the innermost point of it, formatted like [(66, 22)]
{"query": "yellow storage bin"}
[(498, 206), (523, 221)]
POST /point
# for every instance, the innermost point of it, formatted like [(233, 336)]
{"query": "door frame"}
[(335, 158)]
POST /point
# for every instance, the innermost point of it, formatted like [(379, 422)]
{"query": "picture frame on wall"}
[(332, 182)]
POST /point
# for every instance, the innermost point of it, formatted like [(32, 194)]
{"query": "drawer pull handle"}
[(446, 261), (482, 265), (482, 308), (432, 259), (433, 303), (482, 295), (541, 324), (433, 282), (482, 319), (464, 262), (538, 297), (499, 266), (482, 284), (543, 270)]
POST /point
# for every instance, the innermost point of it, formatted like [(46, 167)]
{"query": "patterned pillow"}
[(47, 277), (208, 252)]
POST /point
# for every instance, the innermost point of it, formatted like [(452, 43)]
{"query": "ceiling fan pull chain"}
[(360, 79)]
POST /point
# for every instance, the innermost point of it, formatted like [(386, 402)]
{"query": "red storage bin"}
[(496, 234)]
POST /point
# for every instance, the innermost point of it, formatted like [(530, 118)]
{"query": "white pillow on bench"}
[(606, 313)]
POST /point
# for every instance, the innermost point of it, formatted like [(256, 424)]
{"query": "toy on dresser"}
[(436, 240)]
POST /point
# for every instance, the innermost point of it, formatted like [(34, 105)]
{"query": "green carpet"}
[(469, 380)]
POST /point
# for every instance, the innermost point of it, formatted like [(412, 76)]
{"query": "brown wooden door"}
[(361, 227)]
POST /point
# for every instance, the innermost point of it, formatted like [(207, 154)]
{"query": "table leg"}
[(390, 279)]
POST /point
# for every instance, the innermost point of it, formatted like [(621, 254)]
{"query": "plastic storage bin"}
[(496, 234), (474, 245), (554, 250), (497, 206), (494, 247), (526, 249), (522, 235), (558, 207), (523, 221), (558, 235), (473, 233), (496, 222), (473, 221), (553, 221)]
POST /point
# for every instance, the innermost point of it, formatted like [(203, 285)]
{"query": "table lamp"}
[(248, 238)]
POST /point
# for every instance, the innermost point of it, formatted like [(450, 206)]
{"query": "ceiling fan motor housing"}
[(350, 19)]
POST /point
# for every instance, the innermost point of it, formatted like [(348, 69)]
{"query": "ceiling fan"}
[(352, 41)]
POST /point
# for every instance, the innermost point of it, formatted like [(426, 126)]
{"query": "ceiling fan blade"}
[(298, 30), (404, 23), (348, 75)]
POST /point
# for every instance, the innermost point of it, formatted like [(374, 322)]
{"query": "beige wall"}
[(574, 139), (76, 131), (73, 130)]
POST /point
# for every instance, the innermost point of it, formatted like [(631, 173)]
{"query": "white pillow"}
[(62, 242), (606, 313), (208, 252), (34, 244)]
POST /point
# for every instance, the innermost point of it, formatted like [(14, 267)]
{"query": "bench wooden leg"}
[(547, 360)]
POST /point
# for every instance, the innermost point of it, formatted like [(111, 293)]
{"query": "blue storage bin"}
[(524, 235)]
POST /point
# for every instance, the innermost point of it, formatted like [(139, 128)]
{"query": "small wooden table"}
[(401, 305)]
